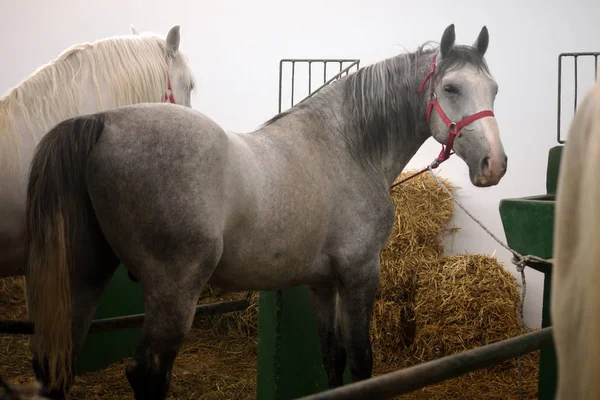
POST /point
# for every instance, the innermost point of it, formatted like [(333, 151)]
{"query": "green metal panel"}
[(529, 227), (122, 297), (554, 156), (289, 352), (548, 374), (529, 223)]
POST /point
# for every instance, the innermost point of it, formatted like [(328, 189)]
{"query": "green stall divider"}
[(122, 297), (289, 350)]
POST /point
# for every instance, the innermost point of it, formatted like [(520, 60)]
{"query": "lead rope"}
[(518, 260)]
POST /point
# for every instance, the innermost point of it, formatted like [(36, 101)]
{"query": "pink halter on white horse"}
[(84, 79)]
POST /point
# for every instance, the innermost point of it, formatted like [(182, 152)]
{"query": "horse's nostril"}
[(505, 164), (485, 163)]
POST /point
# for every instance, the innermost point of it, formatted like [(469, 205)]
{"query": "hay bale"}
[(423, 210), (430, 306), (463, 302)]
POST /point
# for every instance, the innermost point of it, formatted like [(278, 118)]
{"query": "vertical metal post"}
[(559, 98), (309, 76), (293, 80), (280, 83), (575, 81)]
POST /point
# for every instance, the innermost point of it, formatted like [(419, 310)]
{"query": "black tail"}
[(59, 222)]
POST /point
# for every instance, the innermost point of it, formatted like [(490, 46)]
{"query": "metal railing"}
[(12, 327), (343, 71), (575, 57), (419, 376)]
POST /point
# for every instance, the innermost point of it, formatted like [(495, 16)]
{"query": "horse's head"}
[(465, 92), (182, 78)]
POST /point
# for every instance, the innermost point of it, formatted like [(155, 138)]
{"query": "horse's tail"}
[(58, 213)]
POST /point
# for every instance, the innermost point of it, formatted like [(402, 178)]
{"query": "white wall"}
[(235, 48)]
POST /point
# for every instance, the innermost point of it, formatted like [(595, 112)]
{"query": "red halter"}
[(169, 93), (453, 127)]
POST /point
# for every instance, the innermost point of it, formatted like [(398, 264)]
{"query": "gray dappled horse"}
[(302, 200)]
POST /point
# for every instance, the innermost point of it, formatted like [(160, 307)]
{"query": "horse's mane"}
[(58, 90)]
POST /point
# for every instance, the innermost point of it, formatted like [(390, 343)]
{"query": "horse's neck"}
[(394, 161), (328, 127), (404, 127)]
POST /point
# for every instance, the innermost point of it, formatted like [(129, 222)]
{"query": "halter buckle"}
[(452, 127)]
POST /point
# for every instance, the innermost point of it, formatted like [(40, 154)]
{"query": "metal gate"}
[(308, 66), (585, 60)]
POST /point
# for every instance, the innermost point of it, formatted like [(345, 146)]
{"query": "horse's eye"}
[(450, 89)]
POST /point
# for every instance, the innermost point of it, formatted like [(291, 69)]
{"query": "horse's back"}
[(575, 294)]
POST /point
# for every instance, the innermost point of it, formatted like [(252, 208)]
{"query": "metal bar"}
[(128, 321), (432, 372), (582, 54), (280, 81), (575, 97), (560, 141), (293, 80), (595, 68), (309, 76), (543, 267)]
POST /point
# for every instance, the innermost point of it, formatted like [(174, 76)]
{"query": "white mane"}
[(59, 89)]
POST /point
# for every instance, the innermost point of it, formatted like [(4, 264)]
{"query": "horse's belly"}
[(266, 270)]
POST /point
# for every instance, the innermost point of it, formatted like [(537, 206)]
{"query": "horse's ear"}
[(447, 42), (481, 44), (134, 31), (173, 41)]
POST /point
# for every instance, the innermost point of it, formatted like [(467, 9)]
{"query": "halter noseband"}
[(168, 96), (453, 127)]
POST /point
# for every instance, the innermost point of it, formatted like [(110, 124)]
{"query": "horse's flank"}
[(61, 90)]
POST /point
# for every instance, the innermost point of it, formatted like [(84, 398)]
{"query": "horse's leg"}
[(168, 318), (171, 292), (357, 293), (332, 347)]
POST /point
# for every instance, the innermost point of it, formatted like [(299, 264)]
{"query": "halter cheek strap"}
[(168, 96)]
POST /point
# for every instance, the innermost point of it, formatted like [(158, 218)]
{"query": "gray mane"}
[(381, 106)]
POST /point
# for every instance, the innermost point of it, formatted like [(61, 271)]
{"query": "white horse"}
[(84, 79), (575, 304)]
